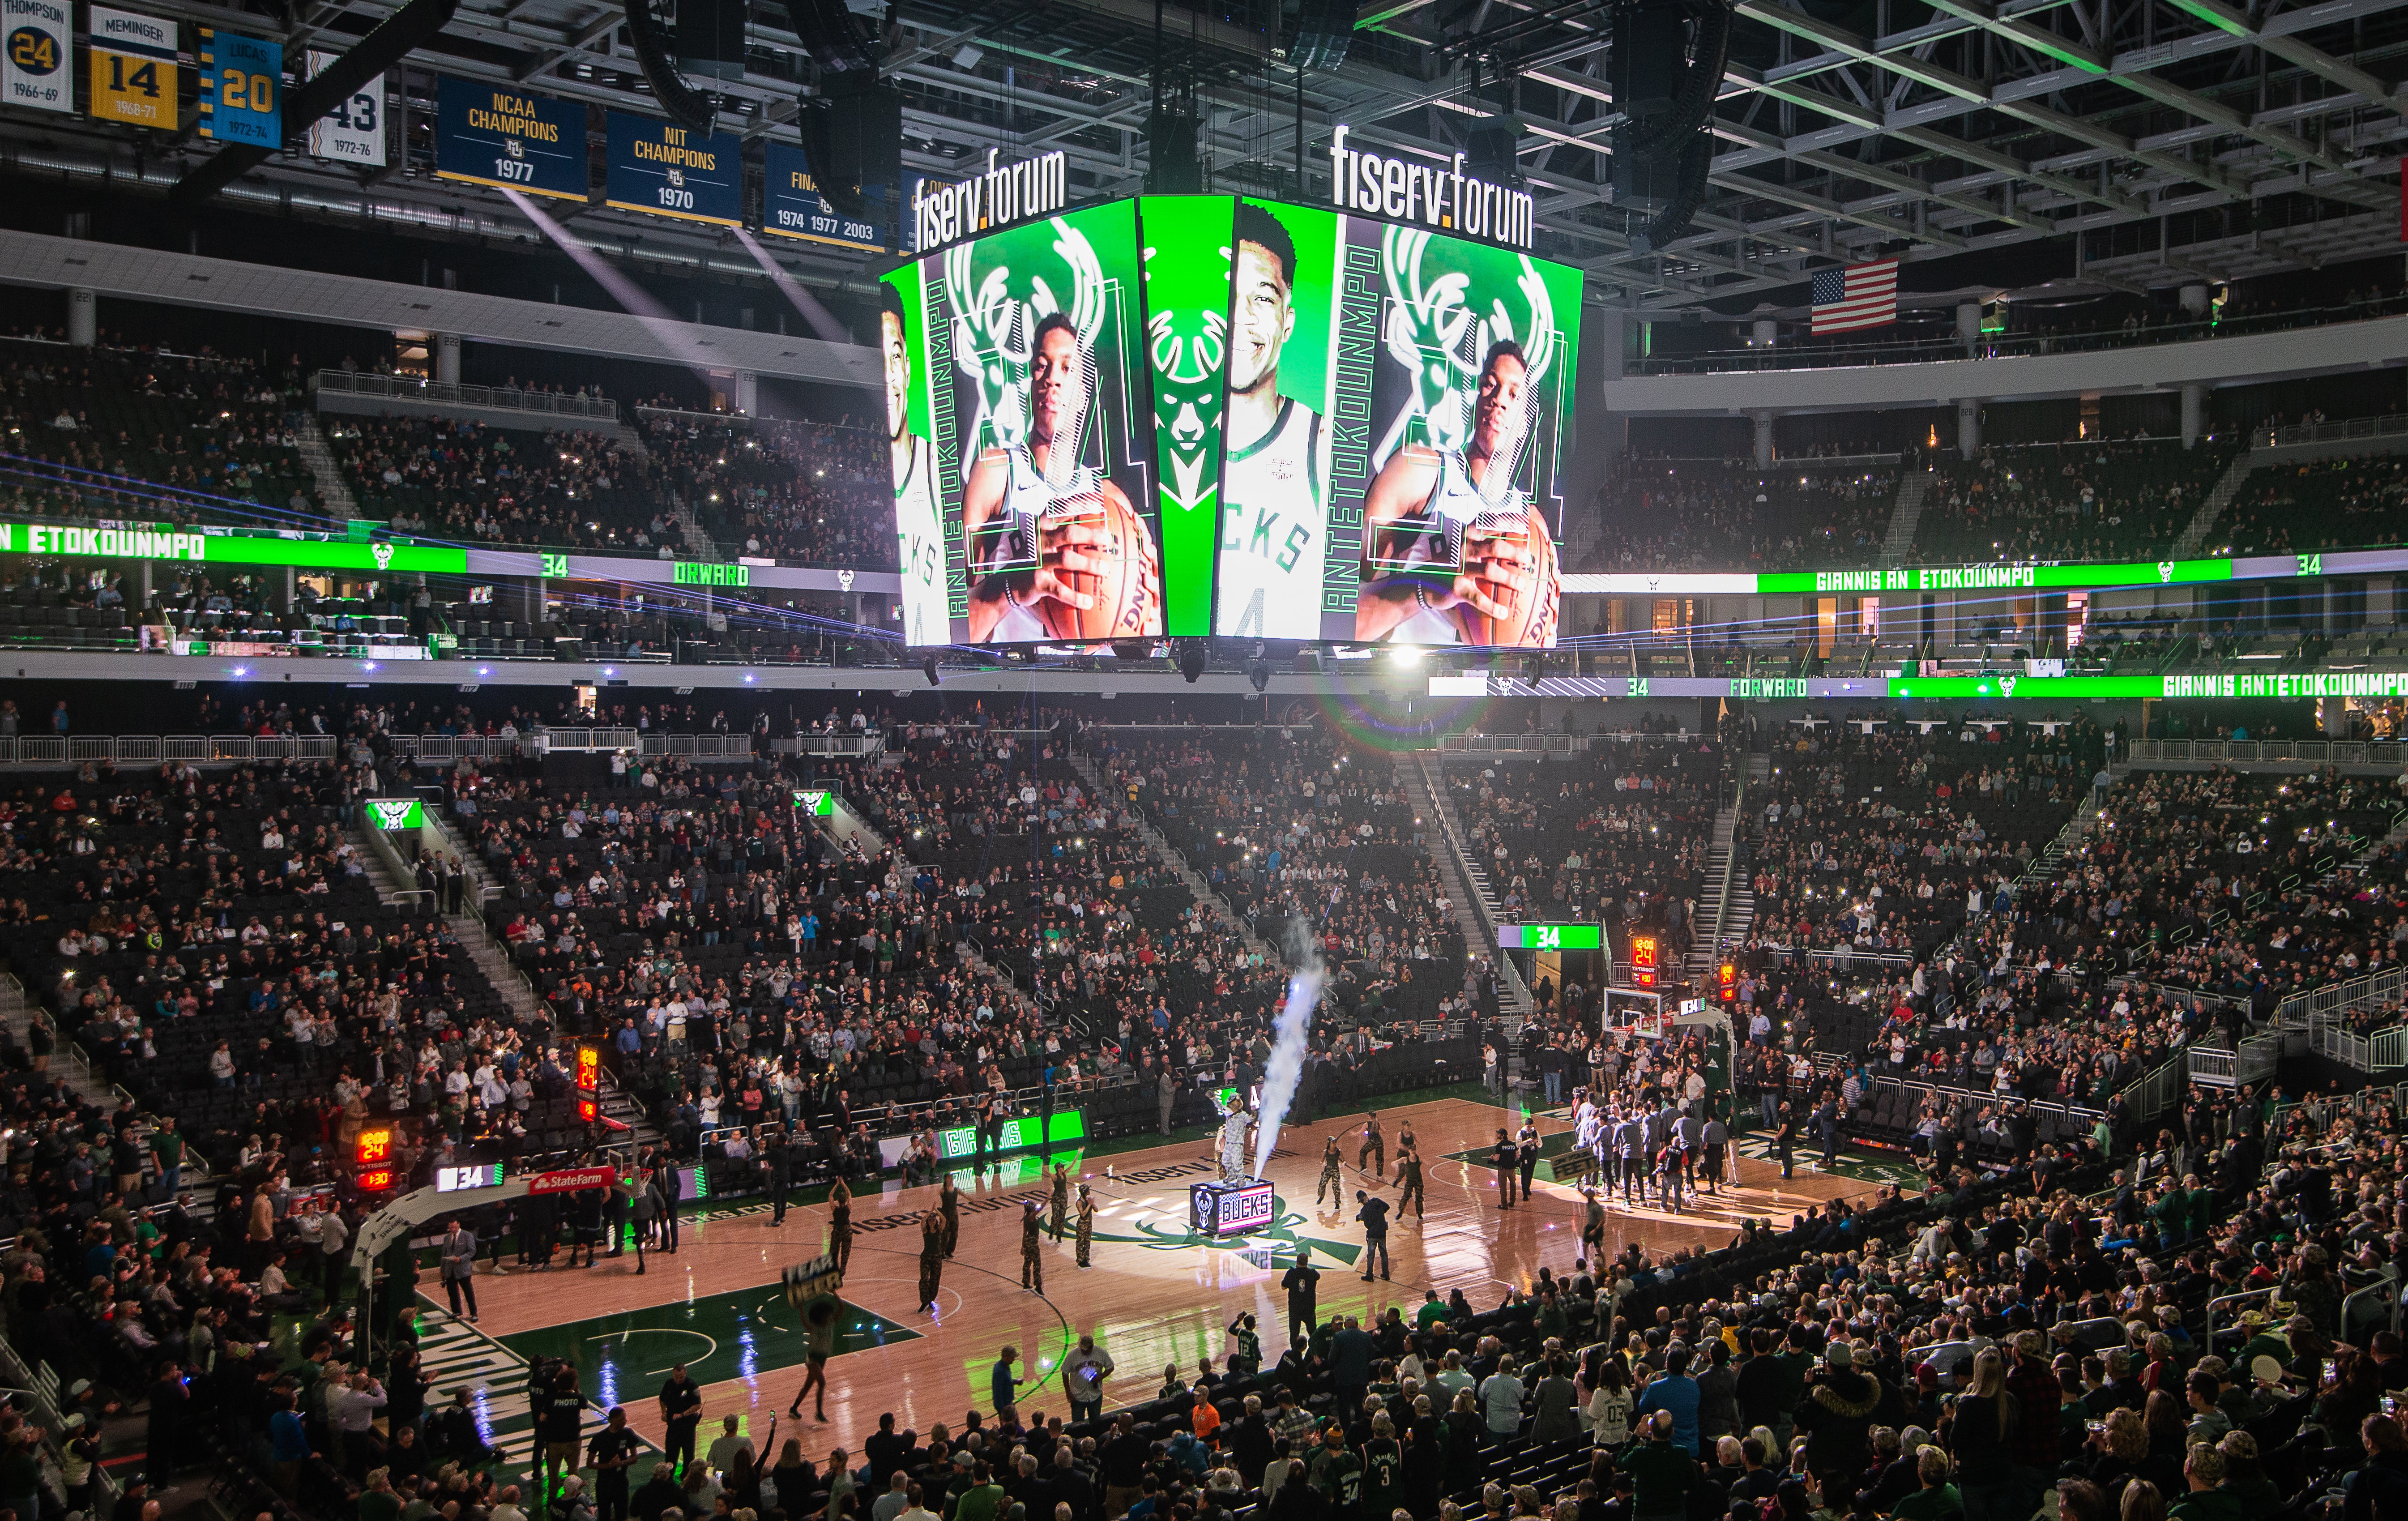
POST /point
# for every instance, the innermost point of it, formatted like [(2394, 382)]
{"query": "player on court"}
[(1274, 491), (1431, 512), (1033, 511), (919, 530)]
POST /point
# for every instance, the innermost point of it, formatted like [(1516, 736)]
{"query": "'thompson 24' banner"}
[(41, 41)]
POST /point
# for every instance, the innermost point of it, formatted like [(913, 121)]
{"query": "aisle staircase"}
[(333, 489), (1732, 910), (1904, 514), (2202, 523), (1468, 889), (1100, 787)]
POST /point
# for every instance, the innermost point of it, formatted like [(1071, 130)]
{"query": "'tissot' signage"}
[(1404, 190)]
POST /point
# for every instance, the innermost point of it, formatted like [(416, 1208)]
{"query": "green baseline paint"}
[(622, 1357)]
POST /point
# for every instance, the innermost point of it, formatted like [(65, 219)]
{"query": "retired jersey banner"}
[(672, 171), (354, 131), (242, 89), (41, 39), (133, 69), (501, 135)]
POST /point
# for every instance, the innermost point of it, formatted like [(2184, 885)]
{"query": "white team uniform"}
[(920, 540), (1008, 538), (1455, 504), (1274, 519)]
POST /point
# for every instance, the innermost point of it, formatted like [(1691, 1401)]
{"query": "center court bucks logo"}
[(394, 813)]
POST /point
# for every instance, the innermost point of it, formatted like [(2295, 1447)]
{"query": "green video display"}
[(1209, 414), (1021, 442), (1020, 1134), (1550, 937), (1401, 410)]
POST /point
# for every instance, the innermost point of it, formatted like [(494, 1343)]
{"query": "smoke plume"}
[(1289, 1038)]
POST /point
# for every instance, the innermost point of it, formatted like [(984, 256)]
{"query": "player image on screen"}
[(1274, 481), (1046, 530), (919, 532), (1453, 553)]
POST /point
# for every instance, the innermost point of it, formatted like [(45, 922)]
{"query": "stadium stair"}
[(1904, 514), (2202, 522), (1734, 907), (1464, 878), (333, 489), (1099, 786)]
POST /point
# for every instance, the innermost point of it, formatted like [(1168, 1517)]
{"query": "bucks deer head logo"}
[(844, 580), (391, 812), (996, 308), (1434, 328), (1187, 347), (382, 554), (2007, 684), (2165, 570)]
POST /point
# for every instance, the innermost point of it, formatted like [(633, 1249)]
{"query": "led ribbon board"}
[(1549, 938), (389, 814)]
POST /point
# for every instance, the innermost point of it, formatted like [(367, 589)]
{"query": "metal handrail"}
[(448, 393)]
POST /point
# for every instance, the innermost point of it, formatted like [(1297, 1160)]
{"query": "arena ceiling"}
[(2183, 139)]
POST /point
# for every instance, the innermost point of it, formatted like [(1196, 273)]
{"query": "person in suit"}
[(778, 1152), (460, 1268)]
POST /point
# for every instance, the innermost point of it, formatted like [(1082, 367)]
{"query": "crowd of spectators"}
[(1716, 515), (2321, 504), (123, 434), (2084, 500)]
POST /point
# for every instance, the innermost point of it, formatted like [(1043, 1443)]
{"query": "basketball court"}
[(1153, 1295)]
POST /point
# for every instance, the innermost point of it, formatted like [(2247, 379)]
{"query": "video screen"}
[(1023, 437), (1399, 411)]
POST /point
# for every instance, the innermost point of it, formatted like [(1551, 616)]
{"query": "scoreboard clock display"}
[(503, 137)]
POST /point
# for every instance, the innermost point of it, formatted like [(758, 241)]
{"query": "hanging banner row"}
[(135, 66), (510, 139)]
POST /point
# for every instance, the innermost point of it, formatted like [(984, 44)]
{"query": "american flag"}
[(1861, 295)]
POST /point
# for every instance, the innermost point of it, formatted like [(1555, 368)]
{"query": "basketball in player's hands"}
[(1527, 603), (1122, 579)]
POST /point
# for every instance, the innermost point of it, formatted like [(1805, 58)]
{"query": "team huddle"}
[(1669, 1146)]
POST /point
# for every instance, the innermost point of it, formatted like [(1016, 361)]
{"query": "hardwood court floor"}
[(1152, 1296)]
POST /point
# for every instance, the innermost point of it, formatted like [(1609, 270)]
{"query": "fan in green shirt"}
[(1938, 1499), (1337, 1473)]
